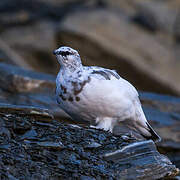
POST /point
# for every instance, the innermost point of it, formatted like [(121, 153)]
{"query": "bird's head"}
[(68, 58)]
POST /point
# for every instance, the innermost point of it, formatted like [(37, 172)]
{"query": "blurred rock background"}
[(140, 39)]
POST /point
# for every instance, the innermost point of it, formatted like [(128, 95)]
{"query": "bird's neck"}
[(71, 70)]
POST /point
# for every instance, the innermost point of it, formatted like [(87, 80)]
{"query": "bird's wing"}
[(110, 97), (118, 99), (102, 73)]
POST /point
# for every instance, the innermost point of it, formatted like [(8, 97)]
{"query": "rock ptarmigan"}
[(99, 95)]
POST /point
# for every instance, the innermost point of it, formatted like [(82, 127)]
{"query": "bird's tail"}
[(151, 134), (145, 128)]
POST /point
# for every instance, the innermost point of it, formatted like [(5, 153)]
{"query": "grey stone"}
[(15, 79), (51, 145), (144, 160), (92, 145), (163, 15)]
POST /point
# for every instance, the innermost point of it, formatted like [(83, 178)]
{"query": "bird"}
[(98, 95)]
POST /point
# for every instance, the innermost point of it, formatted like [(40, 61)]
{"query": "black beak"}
[(54, 52)]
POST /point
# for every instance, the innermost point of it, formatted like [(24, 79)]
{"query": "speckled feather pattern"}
[(98, 95)]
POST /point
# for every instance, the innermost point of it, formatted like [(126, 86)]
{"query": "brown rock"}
[(14, 79), (35, 112), (8, 55), (35, 44), (161, 14), (23, 87)]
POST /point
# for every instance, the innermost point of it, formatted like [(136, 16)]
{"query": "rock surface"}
[(24, 87), (163, 112), (33, 148)]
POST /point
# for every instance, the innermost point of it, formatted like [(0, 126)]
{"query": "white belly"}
[(101, 100)]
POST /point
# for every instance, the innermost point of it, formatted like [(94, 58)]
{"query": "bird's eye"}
[(65, 53)]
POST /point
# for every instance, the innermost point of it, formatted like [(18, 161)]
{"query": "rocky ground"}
[(34, 146), (38, 141)]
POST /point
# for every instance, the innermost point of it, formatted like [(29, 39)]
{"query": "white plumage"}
[(98, 95)]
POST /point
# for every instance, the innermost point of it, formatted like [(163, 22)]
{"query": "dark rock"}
[(42, 114), (177, 29), (4, 132), (51, 145), (156, 16), (31, 134), (86, 178), (28, 27), (23, 87), (149, 22), (25, 12), (33, 51), (8, 55), (101, 137), (92, 145), (160, 110), (39, 100), (136, 154), (49, 156)]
